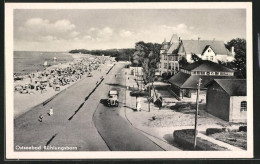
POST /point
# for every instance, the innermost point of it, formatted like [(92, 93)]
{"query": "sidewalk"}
[(160, 132), (150, 133)]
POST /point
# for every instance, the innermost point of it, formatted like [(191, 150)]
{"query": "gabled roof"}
[(173, 48), (207, 46), (174, 38), (229, 53), (197, 46), (206, 65), (233, 87)]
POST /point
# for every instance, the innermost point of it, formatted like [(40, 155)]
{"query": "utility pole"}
[(196, 115)]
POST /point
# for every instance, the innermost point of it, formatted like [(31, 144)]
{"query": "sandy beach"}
[(24, 102)]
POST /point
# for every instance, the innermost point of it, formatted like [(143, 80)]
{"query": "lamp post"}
[(196, 114)]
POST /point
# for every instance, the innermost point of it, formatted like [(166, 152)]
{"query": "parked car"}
[(113, 98)]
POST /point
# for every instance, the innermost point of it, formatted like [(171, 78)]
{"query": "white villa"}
[(172, 52)]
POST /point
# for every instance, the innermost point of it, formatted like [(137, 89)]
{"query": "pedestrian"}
[(115, 75), (139, 107), (40, 117), (51, 112)]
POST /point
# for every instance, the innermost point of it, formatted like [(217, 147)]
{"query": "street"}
[(82, 121), (114, 129)]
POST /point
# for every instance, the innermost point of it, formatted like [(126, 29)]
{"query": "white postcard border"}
[(11, 154)]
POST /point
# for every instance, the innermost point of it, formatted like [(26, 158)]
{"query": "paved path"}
[(71, 124), (118, 134)]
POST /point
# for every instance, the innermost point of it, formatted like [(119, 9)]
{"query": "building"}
[(226, 99), (169, 58), (185, 83), (172, 52), (212, 50)]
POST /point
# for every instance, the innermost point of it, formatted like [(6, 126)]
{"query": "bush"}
[(185, 139), (139, 93), (210, 131), (242, 128)]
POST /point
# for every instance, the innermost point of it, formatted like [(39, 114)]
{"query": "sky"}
[(67, 29)]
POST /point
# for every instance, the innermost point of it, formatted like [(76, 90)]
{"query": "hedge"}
[(210, 131), (185, 139), (139, 93), (242, 128)]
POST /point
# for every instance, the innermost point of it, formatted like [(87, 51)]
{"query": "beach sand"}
[(24, 102)]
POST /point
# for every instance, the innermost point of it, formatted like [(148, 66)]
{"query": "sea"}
[(26, 62)]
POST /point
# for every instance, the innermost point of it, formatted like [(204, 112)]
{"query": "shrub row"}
[(139, 93), (211, 131), (185, 139)]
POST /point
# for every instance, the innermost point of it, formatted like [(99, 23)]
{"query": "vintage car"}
[(113, 98)]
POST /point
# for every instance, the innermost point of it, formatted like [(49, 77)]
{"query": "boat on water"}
[(45, 64)]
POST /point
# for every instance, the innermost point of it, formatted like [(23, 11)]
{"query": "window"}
[(243, 106), (207, 58), (211, 58), (209, 50), (165, 65)]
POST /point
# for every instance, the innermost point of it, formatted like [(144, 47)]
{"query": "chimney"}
[(198, 38)]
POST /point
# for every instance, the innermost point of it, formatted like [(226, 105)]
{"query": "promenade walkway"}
[(69, 126)]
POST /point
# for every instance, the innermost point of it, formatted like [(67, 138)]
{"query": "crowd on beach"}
[(58, 75)]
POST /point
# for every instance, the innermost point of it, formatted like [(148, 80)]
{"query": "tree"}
[(240, 56), (147, 56), (195, 57), (183, 62)]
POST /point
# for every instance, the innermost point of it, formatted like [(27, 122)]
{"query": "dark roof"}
[(206, 65), (184, 80), (234, 87), (179, 78), (197, 46), (193, 80)]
